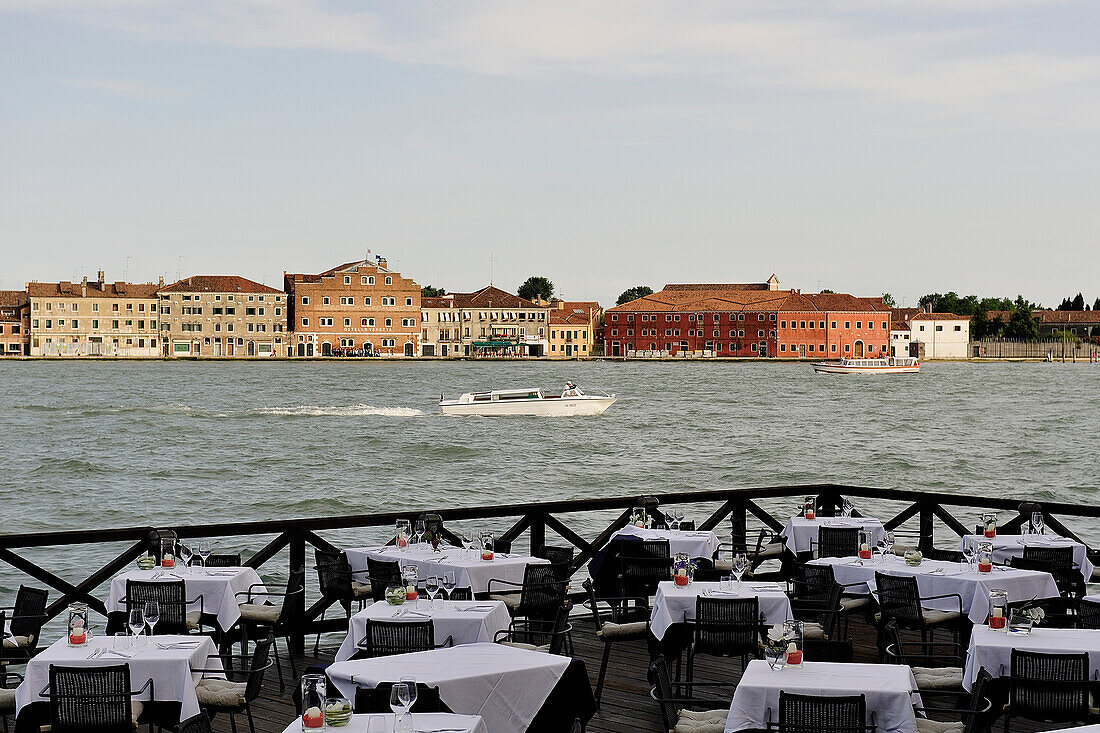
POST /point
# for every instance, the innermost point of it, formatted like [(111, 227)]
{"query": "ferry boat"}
[(572, 401), (880, 365)]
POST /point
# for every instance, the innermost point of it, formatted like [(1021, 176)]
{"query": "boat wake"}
[(187, 411), (344, 411)]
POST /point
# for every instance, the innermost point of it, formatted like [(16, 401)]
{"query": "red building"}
[(755, 319), (15, 323)]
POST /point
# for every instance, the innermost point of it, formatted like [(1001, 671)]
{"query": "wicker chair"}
[(377, 699), (7, 692), (502, 547), (725, 627), (96, 699), (836, 542), (386, 638), (242, 684), (625, 619), (824, 650), (26, 619), (196, 724), (642, 565), (536, 635), (383, 574), (461, 594), (561, 559), (822, 714), (540, 594), (687, 712), (1088, 614), (1049, 687), (937, 667), (172, 599), (974, 716), (224, 560), (1071, 584), (259, 620), (817, 595), (337, 586), (899, 598)]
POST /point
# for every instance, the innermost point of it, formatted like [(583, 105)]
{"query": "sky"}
[(864, 146)]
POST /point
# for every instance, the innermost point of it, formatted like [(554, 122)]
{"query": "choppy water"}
[(94, 444)]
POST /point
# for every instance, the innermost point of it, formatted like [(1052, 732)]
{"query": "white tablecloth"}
[(993, 649), (937, 577), (799, 530), (170, 669), (469, 569), (675, 604), (1012, 545), (218, 589), (466, 622), (695, 543), (1079, 729), (890, 691), (421, 721), (504, 685)]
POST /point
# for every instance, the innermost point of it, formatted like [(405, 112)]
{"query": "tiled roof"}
[(573, 312), (440, 302), (938, 317), (705, 300), (95, 290), (490, 297), (1053, 318), (218, 284), (301, 277), (13, 298), (717, 286)]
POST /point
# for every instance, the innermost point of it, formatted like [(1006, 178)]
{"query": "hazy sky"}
[(858, 145)]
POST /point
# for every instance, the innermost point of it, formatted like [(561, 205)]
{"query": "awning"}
[(492, 344)]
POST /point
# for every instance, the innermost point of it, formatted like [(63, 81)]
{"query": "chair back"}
[(542, 592), (561, 559), (978, 718), (828, 650), (261, 660), (727, 626), (295, 586), (1051, 687), (838, 541), (197, 724), (1068, 577), (813, 585), (383, 573), (462, 594), (688, 525), (170, 596), (377, 699), (560, 629), (898, 598), (84, 699), (642, 565), (386, 638), (1059, 557), (29, 612), (502, 546), (661, 690), (1088, 614), (334, 576), (822, 713), (224, 560)]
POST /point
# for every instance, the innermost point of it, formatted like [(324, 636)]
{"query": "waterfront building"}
[(359, 307), (93, 318), (15, 323), (1068, 324), (222, 316), (747, 320), (486, 322), (573, 326), (914, 332)]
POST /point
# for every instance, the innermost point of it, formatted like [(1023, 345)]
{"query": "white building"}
[(931, 336)]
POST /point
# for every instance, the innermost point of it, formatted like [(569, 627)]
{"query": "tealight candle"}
[(865, 551), (990, 531), (486, 554), (78, 636), (794, 655), (313, 718), (997, 620), (410, 593), (167, 561), (985, 566)]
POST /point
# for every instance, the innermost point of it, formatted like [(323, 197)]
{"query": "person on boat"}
[(570, 390)]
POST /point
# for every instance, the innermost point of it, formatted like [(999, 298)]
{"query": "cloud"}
[(127, 88)]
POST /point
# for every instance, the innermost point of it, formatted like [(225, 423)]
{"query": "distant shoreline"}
[(466, 359)]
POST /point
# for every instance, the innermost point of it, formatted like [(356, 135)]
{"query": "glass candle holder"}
[(794, 638), (998, 609), (314, 690), (809, 509), (989, 522), (864, 544), (488, 545), (683, 570), (78, 630)]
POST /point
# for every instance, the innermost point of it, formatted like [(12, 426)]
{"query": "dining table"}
[(675, 604), (1006, 546), (217, 587), (992, 648), (799, 532), (941, 577), (469, 569), (512, 689), (421, 723), (890, 691), (464, 622), (692, 542)]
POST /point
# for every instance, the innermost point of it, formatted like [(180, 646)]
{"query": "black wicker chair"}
[(1053, 688), (196, 724), (7, 690), (386, 638), (383, 574), (377, 699), (974, 710), (100, 699), (1071, 584), (502, 547), (688, 710), (937, 667), (1088, 614), (259, 620), (816, 595), (836, 542), (26, 619), (244, 679), (725, 627), (539, 595), (900, 599), (822, 714), (824, 650), (334, 577), (561, 559), (624, 619), (461, 594), (223, 560), (538, 635), (642, 565), (172, 599)]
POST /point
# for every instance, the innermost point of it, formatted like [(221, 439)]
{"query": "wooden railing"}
[(531, 519)]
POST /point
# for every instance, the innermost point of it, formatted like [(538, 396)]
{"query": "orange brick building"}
[(358, 307)]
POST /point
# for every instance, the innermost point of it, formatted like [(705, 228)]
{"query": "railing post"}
[(738, 517), (926, 543), (538, 533), (297, 620)]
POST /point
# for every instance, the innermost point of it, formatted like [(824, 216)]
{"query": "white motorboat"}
[(572, 401), (881, 365)]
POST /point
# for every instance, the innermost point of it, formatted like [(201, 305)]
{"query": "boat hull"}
[(554, 407), (839, 369)]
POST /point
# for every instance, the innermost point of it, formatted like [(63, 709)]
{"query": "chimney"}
[(161, 283), (102, 277), (84, 287), (381, 261)]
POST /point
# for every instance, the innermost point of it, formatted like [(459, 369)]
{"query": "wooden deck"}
[(626, 705)]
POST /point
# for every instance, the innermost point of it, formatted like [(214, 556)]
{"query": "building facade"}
[(15, 323), (361, 308), (939, 336), (93, 318), (222, 316), (486, 322), (573, 327)]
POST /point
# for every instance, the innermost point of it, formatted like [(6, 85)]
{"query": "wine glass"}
[(740, 566), (888, 541), (968, 554), (418, 535), (410, 685), (136, 621), (846, 509), (186, 553), (399, 703), (152, 615), (431, 587), (449, 582), (205, 550), (1037, 522)]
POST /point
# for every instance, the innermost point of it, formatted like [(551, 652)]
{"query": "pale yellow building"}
[(93, 318), (222, 316), (486, 322), (573, 327)]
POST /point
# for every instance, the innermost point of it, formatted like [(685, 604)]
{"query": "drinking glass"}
[(410, 685), (418, 535), (774, 652), (449, 582), (846, 509), (120, 642), (888, 538), (205, 550), (152, 615), (186, 553), (969, 551), (400, 704), (401, 534), (1019, 622), (136, 622), (1037, 522), (725, 584), (431, 587), (740, 566)]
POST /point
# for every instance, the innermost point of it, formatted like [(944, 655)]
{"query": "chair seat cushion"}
[(7, 701), (933, 617), (18, 642), (193, 618), (850, 604), (508, 599), (706, 721), (813, 630), (259, 613), (220, 693), (528, 647), (360, 590), (136, 709), (621, 632), (938, 678), (935, 726), (771, 551)]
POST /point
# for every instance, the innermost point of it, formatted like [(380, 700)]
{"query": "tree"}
[(638, 291), (536, 287), (1096, 305), (1023, 326), (826, 290), (888, 300), (1079, 303), (432, 292)]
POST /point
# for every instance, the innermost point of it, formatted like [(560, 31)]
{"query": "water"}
[(101, 444)]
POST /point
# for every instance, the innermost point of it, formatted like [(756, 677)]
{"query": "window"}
[(250, 311), (409, 301), (305, 321), (782, 347), (370, 321), (347, 279), (811, 324), (801, 324), (782, 324), (95, 323), (772, 317), (847, 324), (821, 325), (833, 325), (691, 317), (834, 348), (884, 326), (366, 301), (938, 328), (305, 300), (922, 328), (389, 322), (389, 280), (347, 322), (759, 316), (859, 325), (760, 334), (959, 328), (676, 318), (324, 300), (370, 280), (363, 322), (753, 347), (347, 301)]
